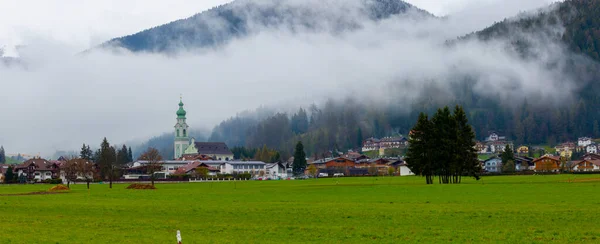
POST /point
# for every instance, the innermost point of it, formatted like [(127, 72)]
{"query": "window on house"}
[(184, 132)]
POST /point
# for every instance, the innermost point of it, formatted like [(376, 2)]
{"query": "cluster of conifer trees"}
[(443, 146)]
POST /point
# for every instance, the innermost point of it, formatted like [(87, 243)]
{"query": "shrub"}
[(60, 187), (179, 177), (137, 186), (52, 181)]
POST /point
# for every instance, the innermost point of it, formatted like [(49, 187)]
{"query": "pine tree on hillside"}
[(299, 159)]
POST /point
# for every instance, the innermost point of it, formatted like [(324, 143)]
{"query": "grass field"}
[(502, 209)]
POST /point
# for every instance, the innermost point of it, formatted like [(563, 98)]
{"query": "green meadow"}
[(498, 209)]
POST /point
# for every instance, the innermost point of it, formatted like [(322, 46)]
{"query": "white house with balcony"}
[(591, 148), (584, 141)]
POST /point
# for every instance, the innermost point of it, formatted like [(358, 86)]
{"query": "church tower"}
[(182, 141)]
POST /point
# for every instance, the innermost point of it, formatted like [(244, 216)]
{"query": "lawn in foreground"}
[(536, 209)]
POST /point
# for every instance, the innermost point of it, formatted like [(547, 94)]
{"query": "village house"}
[(584, 141), (37, 169), (170, 167), (493, 136), (277, 170), (493, 144), (480, 147), (392, 142), (524, 163), (591, 148), (547, 163), (591, 156), (499, 146), (374, 144), (586, 165), (371, 144), (523, 150), (190, 169), (565, 149), (401, 167), (493, 165), (61, 162)]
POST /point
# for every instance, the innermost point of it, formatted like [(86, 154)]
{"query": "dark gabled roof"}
[(211, 148), (40, 164)]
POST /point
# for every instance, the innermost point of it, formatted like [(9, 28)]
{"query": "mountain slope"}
[(574, 22), (240, 18), (571, 26)]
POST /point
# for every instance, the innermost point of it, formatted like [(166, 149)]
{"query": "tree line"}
[(443, 147)]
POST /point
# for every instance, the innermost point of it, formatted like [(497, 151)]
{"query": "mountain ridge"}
[(219, 25)]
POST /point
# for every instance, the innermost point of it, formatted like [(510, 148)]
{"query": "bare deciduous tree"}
[(70, 170), (154, 164), (87, 170)]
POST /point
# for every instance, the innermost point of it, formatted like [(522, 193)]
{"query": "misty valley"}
[(300, 121)]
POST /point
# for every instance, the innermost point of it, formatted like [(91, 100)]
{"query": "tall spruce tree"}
[(130, 155), (2, 155), (107, 159), (123, 156), (9, 176), (299, 159), (466, 152), (419, 156), (359, 137), (507, 154), (86, 152), (443, 147), (444, 130)]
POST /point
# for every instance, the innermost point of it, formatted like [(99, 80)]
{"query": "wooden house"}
[(547, 163)]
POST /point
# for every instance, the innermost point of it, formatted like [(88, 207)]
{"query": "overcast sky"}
[(61, 100), (84, 23)]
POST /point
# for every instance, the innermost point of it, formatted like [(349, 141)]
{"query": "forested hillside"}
[(241, 18), (340, 125), (570, 31)]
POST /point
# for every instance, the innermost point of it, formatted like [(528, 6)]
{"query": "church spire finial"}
[(181, 112)]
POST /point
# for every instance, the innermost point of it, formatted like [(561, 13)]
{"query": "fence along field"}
[(532, 209)]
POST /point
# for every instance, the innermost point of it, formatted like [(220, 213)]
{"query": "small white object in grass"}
[(178, 236)]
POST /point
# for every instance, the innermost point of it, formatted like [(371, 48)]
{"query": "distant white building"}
[(404, 170), (371, 144), (591, 148), (584, 141), (495, 137), (170, 167), (277, 170)]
